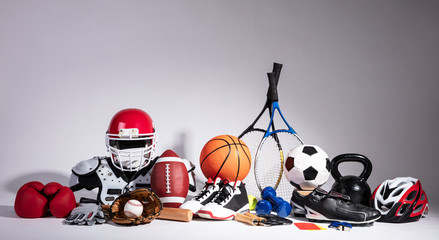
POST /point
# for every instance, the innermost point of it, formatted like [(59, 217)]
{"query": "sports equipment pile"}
[(267, 176)]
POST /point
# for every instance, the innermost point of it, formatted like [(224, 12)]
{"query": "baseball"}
[(133, 208)]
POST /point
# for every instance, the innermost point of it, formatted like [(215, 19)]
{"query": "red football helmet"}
[(131, 139)]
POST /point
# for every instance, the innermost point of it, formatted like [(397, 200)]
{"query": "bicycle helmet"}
[(401, 199)]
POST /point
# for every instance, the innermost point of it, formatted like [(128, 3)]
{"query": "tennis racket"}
[(253, 135), (268, 156)]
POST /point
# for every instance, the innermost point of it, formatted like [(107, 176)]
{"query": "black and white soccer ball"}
[(307, 167)]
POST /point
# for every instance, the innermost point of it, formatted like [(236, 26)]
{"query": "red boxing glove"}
[(30, 202), (61, 199)]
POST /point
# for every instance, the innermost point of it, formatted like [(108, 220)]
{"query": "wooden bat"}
[(174, 214)]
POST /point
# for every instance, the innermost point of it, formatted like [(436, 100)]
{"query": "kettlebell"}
[(355, 187)]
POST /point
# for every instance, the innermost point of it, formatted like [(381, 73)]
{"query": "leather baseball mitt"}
[(152, 207)]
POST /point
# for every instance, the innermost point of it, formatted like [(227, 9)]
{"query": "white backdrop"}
[(358, 76)]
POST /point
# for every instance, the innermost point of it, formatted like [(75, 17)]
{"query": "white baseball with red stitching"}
[(133, 208)]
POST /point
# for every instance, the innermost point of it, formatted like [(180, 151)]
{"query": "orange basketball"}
[(225, 156)]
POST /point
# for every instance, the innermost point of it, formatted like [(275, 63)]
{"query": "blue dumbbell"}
[(280, 206), (263, 207)]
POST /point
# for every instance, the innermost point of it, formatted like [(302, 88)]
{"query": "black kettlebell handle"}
[(351, 157)]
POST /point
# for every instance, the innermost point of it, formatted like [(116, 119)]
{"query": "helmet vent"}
[(385, 207), (411, 196), (400, 184), (418, 208), (382, 191), (397, 192), (423, 196), (403, 208)]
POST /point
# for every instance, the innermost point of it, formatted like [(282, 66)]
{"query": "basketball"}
[(225, 156)]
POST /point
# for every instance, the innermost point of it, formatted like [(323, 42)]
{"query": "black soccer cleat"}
[(230, 200), (297, 203), (323, 206)]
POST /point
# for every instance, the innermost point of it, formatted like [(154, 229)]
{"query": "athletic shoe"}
[(208, 193), (323, 206), (297, 203), (232, 199)]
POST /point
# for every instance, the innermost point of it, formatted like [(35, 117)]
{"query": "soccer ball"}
[(307, 167)]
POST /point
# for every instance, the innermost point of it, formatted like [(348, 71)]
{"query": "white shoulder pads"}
[(86, 166)]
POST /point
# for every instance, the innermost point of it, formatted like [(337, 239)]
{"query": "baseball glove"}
[(152, 207)]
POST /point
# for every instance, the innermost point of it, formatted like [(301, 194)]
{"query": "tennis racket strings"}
[(252, 139), (268, 168)]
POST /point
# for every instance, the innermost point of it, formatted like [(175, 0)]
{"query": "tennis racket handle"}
[(176, 214), (277, 67), (272, 90), (249, 219)]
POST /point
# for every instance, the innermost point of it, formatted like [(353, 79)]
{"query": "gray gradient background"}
[(358, 76)]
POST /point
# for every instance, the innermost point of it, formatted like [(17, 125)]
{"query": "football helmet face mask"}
[(400, 200), (131, 139)]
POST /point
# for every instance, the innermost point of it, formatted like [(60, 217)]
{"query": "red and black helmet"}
[(400, 200)]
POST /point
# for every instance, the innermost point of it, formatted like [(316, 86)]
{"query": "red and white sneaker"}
[(232, 199), (209, 191)]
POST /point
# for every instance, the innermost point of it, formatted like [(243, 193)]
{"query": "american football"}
[(170, 179), (307, 167)]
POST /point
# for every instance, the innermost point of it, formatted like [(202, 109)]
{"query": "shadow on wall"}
[(181, 145), (44, 177), (7, 212)]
